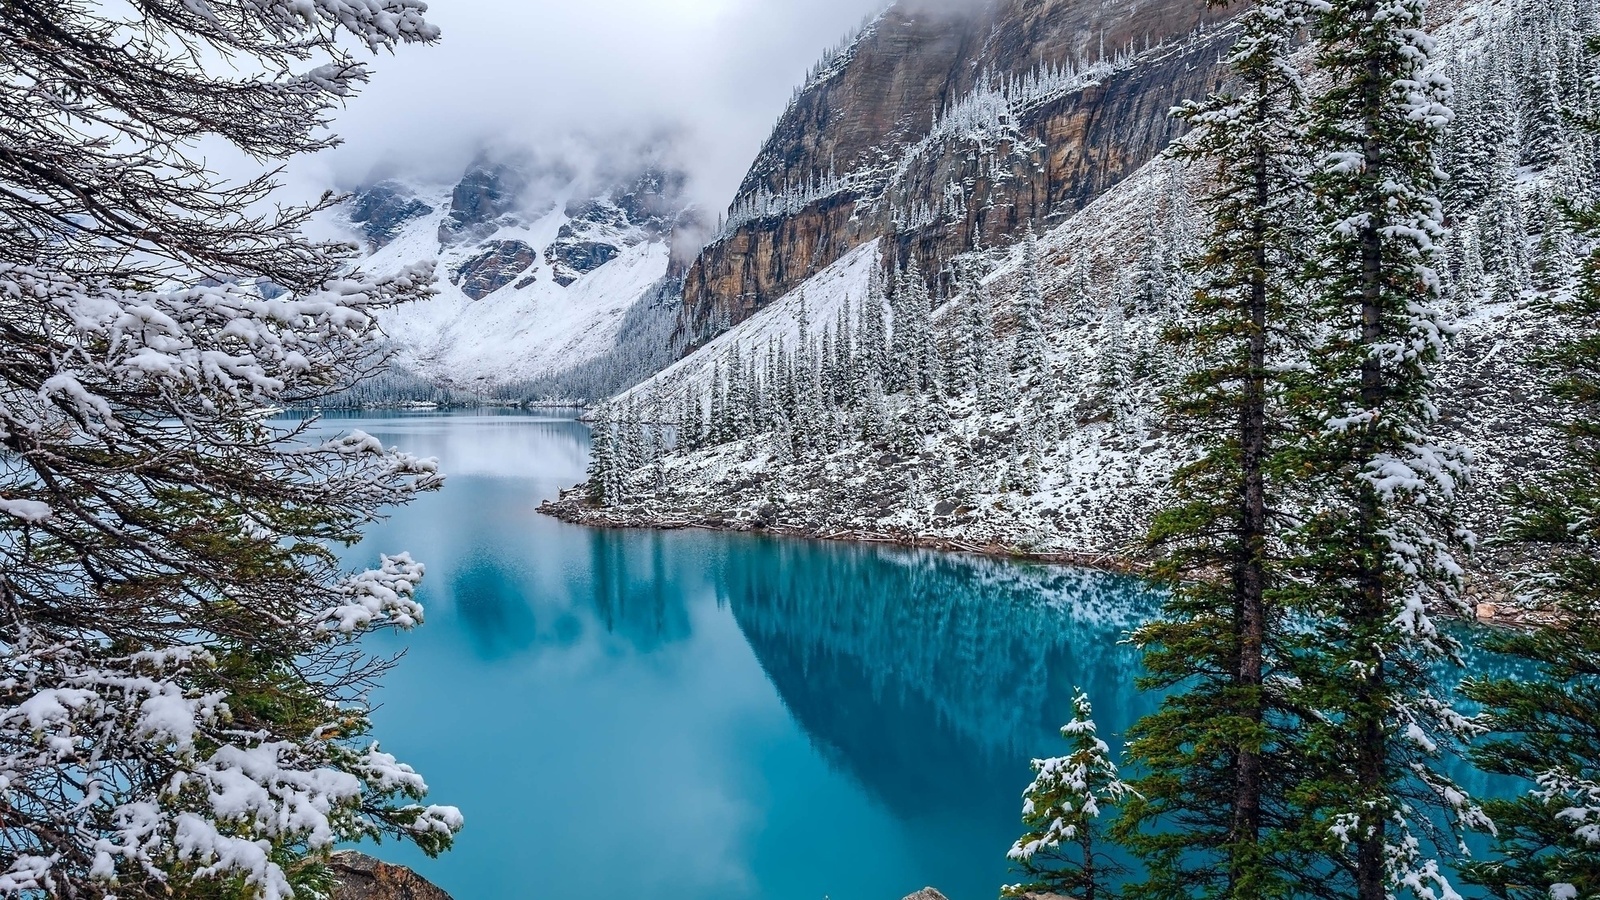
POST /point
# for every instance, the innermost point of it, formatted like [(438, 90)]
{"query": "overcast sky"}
[(533, 72)]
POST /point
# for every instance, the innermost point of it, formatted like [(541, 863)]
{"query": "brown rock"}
[(360, 877), (862, 118), (927, 893)]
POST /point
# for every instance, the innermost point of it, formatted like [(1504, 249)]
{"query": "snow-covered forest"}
[(1325, 374), (1018, 402)]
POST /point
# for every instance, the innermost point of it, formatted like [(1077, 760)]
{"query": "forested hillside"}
[(1012, 397)]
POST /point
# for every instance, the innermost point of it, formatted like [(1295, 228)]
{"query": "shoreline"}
[(1492, 610), (569, 508)]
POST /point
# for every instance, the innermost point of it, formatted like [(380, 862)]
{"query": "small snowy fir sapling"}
[(1061, 810)]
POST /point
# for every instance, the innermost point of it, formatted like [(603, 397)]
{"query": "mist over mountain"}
[(561, 79)]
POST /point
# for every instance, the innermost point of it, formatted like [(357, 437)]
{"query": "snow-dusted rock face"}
[(539, 266), (383, 209), (950, 126), (482, 201)]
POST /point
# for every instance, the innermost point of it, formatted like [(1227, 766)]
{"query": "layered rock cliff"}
[(948, 129)]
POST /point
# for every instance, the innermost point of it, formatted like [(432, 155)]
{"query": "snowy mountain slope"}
[(819, 301), (1098, 462), (536, 274), (1072, 456)]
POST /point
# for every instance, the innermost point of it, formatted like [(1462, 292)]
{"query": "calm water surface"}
[(719, 717)]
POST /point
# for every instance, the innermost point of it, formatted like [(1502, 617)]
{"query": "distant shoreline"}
[(571, 508), (1492, 609), (422, 406)]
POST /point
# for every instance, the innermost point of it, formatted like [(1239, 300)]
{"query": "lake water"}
[(719, 717)]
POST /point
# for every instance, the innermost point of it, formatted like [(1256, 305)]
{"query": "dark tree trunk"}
[(1373, 751)]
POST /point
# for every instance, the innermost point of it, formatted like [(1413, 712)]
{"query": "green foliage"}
[(1376, 544), (1547, 727), (1059, 853), (1212, 816)]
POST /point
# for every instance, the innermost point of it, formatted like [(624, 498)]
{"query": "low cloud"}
[(568, 77)]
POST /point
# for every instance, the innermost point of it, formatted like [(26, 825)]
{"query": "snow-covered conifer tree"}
[(1547, 727), (602, 461), (1060, 853), (182, 690), (961, 354), (1115, 358), (1544, 126), (1215, 814), (737, 406), (717, 433), (1376, 553), (1027, 353), (873, 326), (911, 338), (1477, 142)]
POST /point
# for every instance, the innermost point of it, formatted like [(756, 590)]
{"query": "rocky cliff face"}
[(383, 210), (948, 130)]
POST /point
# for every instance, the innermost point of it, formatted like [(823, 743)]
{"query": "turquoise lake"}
[(714, 716)]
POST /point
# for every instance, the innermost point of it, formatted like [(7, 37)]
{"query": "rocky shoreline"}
[(574, 509), (358, 876), (1488, 594)]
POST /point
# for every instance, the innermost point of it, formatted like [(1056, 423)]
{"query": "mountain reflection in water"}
[(720, 716)]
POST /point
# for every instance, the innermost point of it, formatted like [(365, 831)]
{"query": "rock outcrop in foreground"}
[(360, 877)]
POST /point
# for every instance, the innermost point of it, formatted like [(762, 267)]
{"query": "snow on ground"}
[(515, 333), (842, 285), (1101, 461)]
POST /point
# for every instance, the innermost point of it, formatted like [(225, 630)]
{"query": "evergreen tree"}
[(1153, 272), (1377, 546), (736, 407), (184, 693), (601, 457), (1548, 727), (1476, 143), (874, 326), (1028, 354), (972, 347), (916, 352), (1214, 818), (1115, 358), (1060, 852), (1544, 128), (1080, 290), (1505, 238), (1466, 267), (718, 432)]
